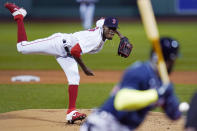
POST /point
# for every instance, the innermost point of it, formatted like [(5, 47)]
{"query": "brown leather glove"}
[(125, 47)]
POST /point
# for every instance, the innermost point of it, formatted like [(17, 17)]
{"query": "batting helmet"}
[(169, 47)]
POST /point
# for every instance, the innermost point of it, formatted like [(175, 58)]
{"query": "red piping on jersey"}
[(76, 51)]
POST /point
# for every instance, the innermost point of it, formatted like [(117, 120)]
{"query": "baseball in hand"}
[(184, 106)]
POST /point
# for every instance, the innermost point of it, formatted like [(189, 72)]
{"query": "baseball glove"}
[(125, 47)]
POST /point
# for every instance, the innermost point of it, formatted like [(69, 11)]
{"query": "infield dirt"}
[(54, 120), (54, 76)]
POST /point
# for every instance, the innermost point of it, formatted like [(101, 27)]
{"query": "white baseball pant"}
[(102, 121), (53, 45)]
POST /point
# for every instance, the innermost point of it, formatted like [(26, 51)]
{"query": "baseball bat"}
[(150, 25)]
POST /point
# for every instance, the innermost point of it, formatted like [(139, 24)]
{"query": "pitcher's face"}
[(109, 32)]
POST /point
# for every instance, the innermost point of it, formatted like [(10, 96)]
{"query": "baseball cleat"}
[(74, 116), (15, 10)]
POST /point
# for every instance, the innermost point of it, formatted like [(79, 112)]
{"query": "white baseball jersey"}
[(90, 41)]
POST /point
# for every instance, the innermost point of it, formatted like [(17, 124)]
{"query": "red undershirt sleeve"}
[(76, 51)]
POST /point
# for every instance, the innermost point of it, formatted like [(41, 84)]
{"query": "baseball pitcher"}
[(68, 48)]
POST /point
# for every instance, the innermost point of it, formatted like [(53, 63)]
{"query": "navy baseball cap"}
[(111, 22)]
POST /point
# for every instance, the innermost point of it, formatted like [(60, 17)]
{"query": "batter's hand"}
[(88, 72), (165, 90)]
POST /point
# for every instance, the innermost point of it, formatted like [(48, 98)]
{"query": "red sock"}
[(21, 29), (72, 92)]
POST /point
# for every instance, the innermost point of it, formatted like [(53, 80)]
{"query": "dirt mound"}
[(54, 120)]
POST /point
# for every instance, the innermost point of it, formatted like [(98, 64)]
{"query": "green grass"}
[(185, 32), (185, 92), (55, 96), (50, 96)]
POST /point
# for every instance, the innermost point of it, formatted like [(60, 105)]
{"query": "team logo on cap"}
[(114, 21)]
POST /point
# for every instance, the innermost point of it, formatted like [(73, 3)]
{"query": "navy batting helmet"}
[(170, 48)]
